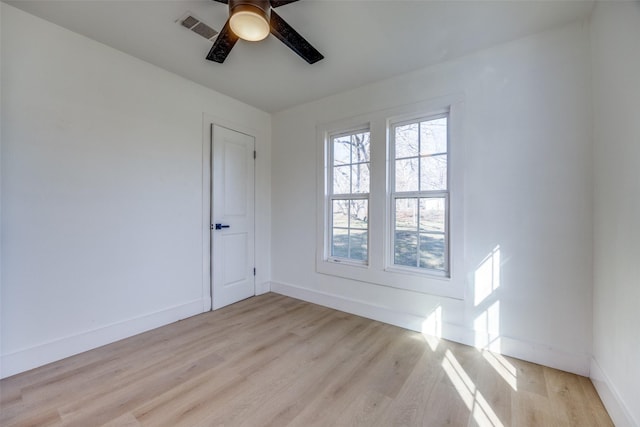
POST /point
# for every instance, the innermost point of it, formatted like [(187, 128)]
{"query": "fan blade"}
[(222, 1), (287, 35), (223, 44), (278, 3)]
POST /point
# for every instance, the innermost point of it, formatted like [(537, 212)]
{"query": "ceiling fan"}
[(253, 20)]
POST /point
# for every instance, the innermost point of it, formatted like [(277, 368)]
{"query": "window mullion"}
[(421, 194), (349, 229)]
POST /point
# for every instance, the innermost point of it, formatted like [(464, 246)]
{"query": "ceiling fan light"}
[(249, 23)]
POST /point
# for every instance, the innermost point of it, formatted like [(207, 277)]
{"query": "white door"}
[(232, 211)]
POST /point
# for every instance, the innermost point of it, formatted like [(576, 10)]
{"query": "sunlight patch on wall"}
[(487, 328), (486, 325), (487, 276), (432, 328)]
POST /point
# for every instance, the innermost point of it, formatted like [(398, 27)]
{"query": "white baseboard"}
[(39, 355), (532, 352), (263, 288), (618, 410), (360, 308), (206, 303)]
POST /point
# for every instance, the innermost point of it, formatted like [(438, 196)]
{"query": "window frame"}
[(378, 271), (331, 196), (394, 195)]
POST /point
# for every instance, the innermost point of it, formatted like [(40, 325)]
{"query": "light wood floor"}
[(276, 361)]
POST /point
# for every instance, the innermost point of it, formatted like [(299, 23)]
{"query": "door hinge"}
[(254, 154), (254, 271)]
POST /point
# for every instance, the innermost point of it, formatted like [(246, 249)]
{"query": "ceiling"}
[(362, 40)]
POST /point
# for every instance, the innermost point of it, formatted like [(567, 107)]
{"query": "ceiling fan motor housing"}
[(262, 7), (249, 20)]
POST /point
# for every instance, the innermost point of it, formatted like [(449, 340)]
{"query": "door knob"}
[(221, 226)]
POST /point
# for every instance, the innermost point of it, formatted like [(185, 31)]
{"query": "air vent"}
[(197, 26)]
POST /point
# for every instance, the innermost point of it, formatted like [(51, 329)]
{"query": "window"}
[(349, 196), (420, 194), (390, 198)]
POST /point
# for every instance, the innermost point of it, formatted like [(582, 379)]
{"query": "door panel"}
[(233, 209), (234, 248), (235, 177)]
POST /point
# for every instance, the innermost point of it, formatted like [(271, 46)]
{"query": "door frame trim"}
[(208, 120)]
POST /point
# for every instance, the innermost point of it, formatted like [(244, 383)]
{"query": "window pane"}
[(341, 213), (358, 243), (359, 214), (341, 179), (360, 147), (433, 173), (432, 214), (406, 248), (406, 214), (407, 175), (406, 140), (342, 150), (433, 136), (350, 229), (432, 251), (360, 178), (340, 243)]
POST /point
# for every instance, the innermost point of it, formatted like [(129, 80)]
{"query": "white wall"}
[(102, 192), (528, 190), (615, 37)]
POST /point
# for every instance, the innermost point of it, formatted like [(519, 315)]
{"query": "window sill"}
[(350, 263), (424, 283), (426, 274)]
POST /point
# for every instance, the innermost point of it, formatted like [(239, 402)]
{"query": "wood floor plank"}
[(391, 375), (568, 401), (492, 385), (126, 420), (445, 407), (276, 361), (365, 410), (530, 377), (593, 404), (409, 408), (338, 390), (308, 365), (141, 387), (322, 370), (532, 410)]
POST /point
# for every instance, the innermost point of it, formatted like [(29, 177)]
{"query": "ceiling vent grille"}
[(197, 26)]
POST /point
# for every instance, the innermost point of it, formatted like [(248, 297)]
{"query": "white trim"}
[(532, 352), (393, 195), (222, 294), (330, 197), (32, 357), (618, 410), (262, 218), (206, 214), (358, 307), (263, 288)]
